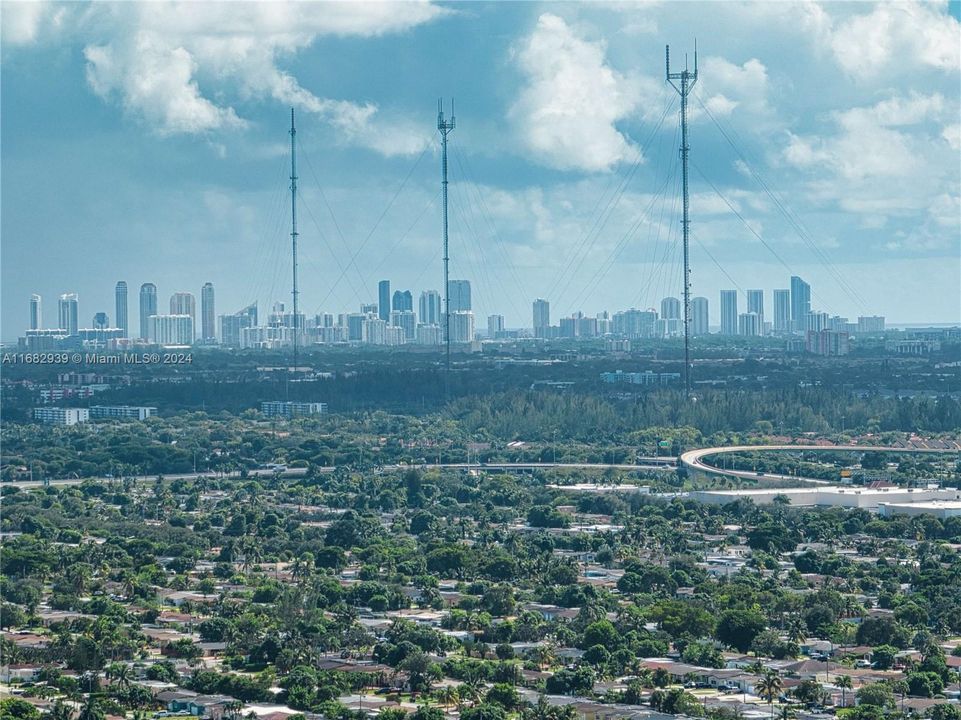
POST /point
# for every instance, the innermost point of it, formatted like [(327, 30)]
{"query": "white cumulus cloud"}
[(867, 45), (883, 159), (183, 67), (568, 109)]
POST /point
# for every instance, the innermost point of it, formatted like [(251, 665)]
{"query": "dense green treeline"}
[(537, 415), (566, 426)]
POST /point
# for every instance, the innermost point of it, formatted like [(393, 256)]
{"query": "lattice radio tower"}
[(445, 129), (683, 82), (293, 231)]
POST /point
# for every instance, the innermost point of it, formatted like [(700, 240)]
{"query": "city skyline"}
[(793, 315), (521, 200)]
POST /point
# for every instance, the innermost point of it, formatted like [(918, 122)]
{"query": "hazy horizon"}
[(148, 142)]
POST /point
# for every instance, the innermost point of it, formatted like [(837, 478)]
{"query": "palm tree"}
[(769, 687), (90, 710), (540, 711), (61, 711), (796, 629), (120, 674), (471, 688), (450, 696), (843, 682), (232, 709)]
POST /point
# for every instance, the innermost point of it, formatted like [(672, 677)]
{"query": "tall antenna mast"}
[(686, 78), (445, 129), (293, 227)]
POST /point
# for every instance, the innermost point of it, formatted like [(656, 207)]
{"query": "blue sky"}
[(148, 142)]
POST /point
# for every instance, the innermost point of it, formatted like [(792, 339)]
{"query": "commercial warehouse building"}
[(832, 496), (941, 509)]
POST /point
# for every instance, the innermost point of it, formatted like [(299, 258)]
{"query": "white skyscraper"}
[(428, 335), (148, 307), (728, 312), (120, 297), (755, 304), (749, 324), (782, 311), (495, 325), (36, 312), (69, 315), (671, 309), (407, 321), (542, 317), (816, 321), (800, 303), (184, 303), (700, 317), (373, 330), (429, 308), (208, 332), (171, 329), (461, 326), (459, 293)]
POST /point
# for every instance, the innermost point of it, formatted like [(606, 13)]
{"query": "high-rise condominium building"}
[(428, 335), (430, 311), (755, 304), (827, 342), (459, 294), (495, 325), (542, 317), (184, 303), (462, 326), (816, 321), (870, 324), (120, 298), (208, 330), (69, 315), (728, 312), (148, 307), (36, 312), (635, 324), (172, 329), (800, 303), (782, 311), (407, 321), (403, 301), (749, 324), (671, 309), (383, 300), (232, 326), (700, 316)]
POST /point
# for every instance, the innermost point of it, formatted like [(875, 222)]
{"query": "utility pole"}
[(445, 129), (293, 231), (686, 78)]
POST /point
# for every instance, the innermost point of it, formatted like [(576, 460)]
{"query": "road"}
[(290, 472), (693, 460), (650, 464), (508, 467)]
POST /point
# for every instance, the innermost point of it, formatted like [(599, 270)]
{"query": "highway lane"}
[(693, 460), (295, 472), (665, 463), (260, 472)]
